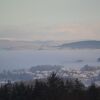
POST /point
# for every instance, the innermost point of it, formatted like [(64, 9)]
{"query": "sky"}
[(58, 20)]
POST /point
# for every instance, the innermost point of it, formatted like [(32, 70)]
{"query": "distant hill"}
[(90, 68), (47, 45), (26, 45), (46, 68), (91, 44)]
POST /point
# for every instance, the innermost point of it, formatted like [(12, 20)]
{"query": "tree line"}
[(52, 88)]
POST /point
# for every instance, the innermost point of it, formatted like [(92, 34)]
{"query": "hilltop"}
[(90, 44)]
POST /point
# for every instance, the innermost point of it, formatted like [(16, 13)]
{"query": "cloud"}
[(55, 32)]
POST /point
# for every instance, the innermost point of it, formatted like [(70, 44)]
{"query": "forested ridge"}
[(52, 88)]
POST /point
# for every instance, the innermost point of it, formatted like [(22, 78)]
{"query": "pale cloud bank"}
[(56, 32), (50, 19)]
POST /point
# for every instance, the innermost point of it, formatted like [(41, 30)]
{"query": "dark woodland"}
[(52, 88)]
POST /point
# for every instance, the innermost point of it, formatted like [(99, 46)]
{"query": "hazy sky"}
[(50, 19)]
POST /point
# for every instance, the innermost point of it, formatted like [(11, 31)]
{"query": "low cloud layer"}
[(56, 32)]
